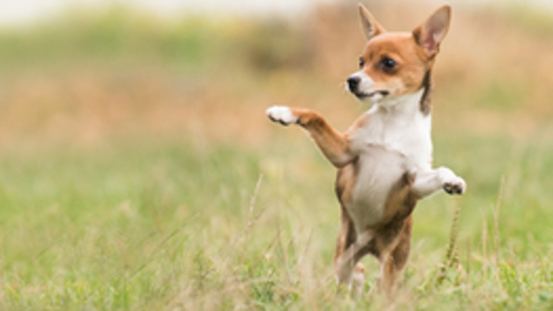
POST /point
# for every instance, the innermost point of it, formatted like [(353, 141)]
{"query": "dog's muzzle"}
[(354, 82)]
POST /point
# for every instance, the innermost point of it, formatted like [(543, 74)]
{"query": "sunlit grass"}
[(164, 225)]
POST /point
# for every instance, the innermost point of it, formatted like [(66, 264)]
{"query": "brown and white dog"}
[(384, 159)]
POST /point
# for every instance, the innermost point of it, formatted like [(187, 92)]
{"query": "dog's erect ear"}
[(430, 34), (370, 26)]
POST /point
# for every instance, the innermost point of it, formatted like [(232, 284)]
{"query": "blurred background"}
[(85, 72), (138, 169)]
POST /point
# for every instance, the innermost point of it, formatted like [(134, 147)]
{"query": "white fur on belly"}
[(394, 140), (379, 170)]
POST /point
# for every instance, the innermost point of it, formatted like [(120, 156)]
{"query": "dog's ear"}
[(430, 34), (370, 26)]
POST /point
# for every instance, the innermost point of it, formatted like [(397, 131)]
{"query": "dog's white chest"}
[(392, 141), (399, 127)]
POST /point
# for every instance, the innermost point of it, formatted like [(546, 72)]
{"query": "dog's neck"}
[(404, 106)]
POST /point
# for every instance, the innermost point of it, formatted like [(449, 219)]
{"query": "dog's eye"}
[(361, 62), (387, 64)]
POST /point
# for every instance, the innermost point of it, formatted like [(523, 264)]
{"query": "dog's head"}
[(397, 64)]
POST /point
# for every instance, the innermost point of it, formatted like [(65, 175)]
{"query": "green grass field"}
[(170, 226), (135, 174)]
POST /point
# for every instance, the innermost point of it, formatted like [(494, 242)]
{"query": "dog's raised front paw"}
[(456, 187), (282, 115), (451, 183)]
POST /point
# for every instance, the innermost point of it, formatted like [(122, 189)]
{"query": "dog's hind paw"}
[(282, 115)]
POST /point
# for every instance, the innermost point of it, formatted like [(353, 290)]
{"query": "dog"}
[(384, 159)]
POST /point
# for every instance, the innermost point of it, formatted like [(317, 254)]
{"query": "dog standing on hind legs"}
[(384, 159)]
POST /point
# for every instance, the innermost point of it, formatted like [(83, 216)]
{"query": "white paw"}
[(282, 115), (451, 183)]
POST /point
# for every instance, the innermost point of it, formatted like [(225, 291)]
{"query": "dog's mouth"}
[(381, 93)]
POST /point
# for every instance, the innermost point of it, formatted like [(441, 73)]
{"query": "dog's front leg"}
[(335, 146), (428, 182)]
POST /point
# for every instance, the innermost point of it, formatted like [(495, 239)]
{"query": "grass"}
[(138, 171), (168, 225)]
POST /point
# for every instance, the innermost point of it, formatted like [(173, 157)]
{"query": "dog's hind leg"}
[(346, 238), (345, 182), (393, 262), (347, 263)]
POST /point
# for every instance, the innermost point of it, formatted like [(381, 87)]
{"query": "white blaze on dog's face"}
[(395, 64)]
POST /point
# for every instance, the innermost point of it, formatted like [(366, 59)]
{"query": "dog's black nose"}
[(353, 83)]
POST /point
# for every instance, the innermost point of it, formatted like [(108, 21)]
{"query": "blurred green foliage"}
[(124, 35), (119, 34), (275, 44), (534, 20)]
